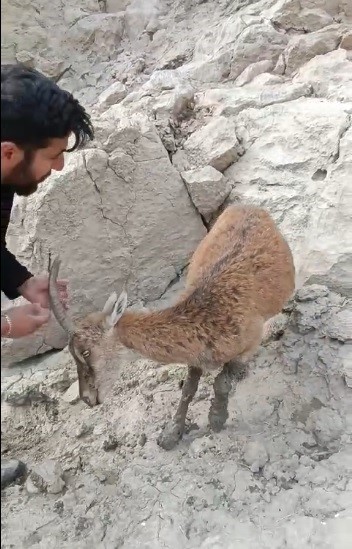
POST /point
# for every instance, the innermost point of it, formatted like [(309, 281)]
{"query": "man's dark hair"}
[(34, 110)]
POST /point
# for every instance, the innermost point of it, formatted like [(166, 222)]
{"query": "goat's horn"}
[(55, 303)]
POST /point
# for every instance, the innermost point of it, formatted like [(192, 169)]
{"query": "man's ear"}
[(11, 153)]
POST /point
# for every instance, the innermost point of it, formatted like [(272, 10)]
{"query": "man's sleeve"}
[(13, 274)]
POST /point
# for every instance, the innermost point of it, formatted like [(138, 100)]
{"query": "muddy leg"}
[(173, 431), (218, 412)]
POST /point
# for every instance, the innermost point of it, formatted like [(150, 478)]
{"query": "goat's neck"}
[(167, 336)]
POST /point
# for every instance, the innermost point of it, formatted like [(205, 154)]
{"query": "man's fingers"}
[(39, 313)]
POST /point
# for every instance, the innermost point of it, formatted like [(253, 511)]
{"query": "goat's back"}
[(245, 244)]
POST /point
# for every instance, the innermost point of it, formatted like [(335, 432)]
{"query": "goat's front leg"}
[(173, 431), (218, 413)]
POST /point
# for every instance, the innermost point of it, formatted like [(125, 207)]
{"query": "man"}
[(37, 120)]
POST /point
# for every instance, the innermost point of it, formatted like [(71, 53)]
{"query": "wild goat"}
[(240, 276)]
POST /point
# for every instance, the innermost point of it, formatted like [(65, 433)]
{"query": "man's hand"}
[(23, 320), (36, 290)]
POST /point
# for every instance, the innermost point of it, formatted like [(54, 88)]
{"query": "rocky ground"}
[(197, 104), (278, 476)]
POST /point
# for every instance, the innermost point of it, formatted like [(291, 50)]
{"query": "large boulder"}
[(298, 164), (117, 214)]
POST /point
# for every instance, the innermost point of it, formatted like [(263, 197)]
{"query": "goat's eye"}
[(86, 354)]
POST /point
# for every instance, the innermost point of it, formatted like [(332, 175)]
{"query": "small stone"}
[(46, 477), (326, 425), (84, 429), (71, 396), (215, 144), (142, 439), (340, 326), (255, 456), (112, 95), (11, 470), (312, 292), (110, 443), (207, 188), (346, 42), (163, 376)]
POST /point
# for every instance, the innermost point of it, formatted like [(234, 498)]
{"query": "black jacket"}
[(13, 274)]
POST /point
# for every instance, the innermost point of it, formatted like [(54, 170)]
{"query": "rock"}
[(254, 70), (255, 455), (329, 75), (264, 90), (311, 292), (173, 104), (302, 48), (280, 153), (11, 471), (259, 42), (71, 396), (292, 15), (100, 34), (99, 200), (138, 15), (37, 379), (112, 95), (215, 144), (46, 477), (114, 6), (326, 425), (207, 187), (346, 42), (345, 357), (340, 326)]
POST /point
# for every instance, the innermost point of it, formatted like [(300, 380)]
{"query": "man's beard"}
[(21, 178)]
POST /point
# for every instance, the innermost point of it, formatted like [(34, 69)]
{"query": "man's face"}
[(25, 170)]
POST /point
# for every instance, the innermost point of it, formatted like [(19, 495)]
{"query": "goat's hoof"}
[(170, 436), (217, 422)]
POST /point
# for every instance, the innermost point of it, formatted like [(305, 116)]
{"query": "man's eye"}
[(86, 354)]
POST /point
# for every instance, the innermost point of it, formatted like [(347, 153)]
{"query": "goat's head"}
[(86, 336)]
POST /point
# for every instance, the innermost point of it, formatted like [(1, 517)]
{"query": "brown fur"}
[(240, 276)]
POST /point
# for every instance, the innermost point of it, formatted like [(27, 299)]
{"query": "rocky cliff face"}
[(258, 92)]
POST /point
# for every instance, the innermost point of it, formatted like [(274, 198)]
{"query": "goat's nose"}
[(87, 401)]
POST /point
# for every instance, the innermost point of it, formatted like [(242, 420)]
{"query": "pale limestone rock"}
[(346, 42), (122, 215), (71, 396), (99, 34), (298, 165), (340, 326), (326, 425), (264, 90), (254, 70), (46, 477), (114, 6), (304, 47), (215, 144), (207, 188), (258, 42), (138, 15), (255, 455), (330, 75), (305, 15), (112, 95)]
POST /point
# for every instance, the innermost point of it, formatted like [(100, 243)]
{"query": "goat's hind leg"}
[(173, 431), (218, 413)]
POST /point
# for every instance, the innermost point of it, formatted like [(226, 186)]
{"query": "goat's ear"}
[(119, 308), (110, 303)]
